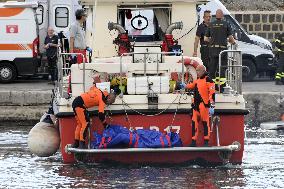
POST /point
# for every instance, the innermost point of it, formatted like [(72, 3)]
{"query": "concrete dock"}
[(24, 101)]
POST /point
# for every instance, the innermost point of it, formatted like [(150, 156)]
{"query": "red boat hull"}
[(231, 129)]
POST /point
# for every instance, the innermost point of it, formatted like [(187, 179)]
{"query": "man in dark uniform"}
[(200, 33), (51, 45), (217, 34), (279, 44)]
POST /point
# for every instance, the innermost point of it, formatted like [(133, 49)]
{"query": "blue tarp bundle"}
[(116, 136)]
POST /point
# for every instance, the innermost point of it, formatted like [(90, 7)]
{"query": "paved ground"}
[(42, 85), (262, 86), (27, 85)]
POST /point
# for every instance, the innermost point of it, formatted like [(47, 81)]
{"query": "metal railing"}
[(64, 69), (233, 72)]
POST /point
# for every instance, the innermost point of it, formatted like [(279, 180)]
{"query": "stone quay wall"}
[(267, 24)]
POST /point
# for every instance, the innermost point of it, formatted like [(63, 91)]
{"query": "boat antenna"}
[(196, 24), (94, 15)]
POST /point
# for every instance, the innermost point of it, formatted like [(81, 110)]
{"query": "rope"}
[(127, 118), (157, 113), (153, 115), (196, 24), (124, 104), (107, 114), (174, 117)]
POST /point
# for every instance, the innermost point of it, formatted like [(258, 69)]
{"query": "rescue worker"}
[(77, 36), (217, 34), (51, 45), (94, 97), (204, 98), (279, 44), (200, 33)]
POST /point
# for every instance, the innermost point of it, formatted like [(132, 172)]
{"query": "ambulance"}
[(19, 41), (23, 28)]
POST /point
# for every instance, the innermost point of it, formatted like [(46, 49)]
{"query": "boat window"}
[(145, 24), (39, 14), (61, 17), (141, 23)]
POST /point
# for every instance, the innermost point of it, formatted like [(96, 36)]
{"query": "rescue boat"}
[(135, 50)]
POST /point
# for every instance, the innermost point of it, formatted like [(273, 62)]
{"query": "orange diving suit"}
[(94, 97), (204, 97)]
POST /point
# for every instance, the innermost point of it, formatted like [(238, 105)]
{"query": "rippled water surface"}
[(263, 167)]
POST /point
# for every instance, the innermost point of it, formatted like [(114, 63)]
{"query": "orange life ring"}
[(188, 61)]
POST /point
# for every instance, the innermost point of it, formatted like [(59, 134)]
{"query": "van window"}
[(39, 14), (61, 17)]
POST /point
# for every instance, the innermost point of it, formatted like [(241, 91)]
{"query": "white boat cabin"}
[(142, 48), (159, 15)]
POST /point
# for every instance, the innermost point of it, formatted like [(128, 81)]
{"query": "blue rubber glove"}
[(211, 110), (73, 56), (182, 85), (89, 49)]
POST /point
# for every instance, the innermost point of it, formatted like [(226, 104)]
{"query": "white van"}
[(59, 14), (18, 40), (257, 51)]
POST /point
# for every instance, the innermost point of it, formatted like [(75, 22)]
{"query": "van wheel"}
[(7, 73), (249, 71)]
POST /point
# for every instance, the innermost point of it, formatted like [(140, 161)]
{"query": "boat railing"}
[(64, 71), (64, 68), (145, 54), (233, 71)]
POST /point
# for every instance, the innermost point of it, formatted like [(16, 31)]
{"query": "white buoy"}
[(43, 139)]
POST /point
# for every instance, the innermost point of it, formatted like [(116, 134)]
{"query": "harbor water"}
[(262, 167)]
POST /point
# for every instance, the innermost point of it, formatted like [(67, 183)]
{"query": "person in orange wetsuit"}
[(94, 97), (204, 98), (282, 116)]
